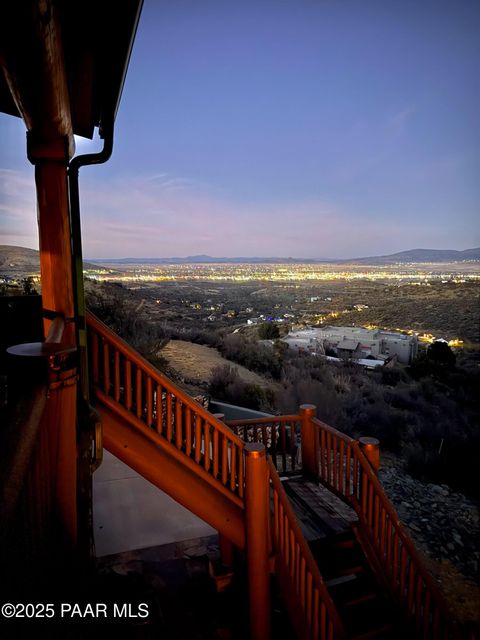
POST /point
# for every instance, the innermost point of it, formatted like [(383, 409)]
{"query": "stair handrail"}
[(363, 490), (298, 571), (272, 432), (222, 443)]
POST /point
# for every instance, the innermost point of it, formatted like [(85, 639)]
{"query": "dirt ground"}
[(194, 363)]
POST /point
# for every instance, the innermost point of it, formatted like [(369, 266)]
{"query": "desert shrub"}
[(268, 331), (256, 357), (226, 384)]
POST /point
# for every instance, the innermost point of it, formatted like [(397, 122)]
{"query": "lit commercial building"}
[(355, 343)]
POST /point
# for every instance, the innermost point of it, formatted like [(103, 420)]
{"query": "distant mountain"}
[(19, 260), (22, 261), (420, 255), (204, 259), (413, 255)]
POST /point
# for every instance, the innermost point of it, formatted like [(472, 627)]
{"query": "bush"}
[(226, 384), (268, 331)]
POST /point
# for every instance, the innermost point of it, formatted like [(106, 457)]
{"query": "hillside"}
[(420, 255), (20, 258), (20, 261), (195, 363)]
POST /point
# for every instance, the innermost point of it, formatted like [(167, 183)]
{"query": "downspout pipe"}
[(89, 433), (77, 256)]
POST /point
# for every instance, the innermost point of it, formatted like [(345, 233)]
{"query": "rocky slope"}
[(445, 525)]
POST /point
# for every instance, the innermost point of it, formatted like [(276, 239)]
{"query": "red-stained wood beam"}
[(32, 58)]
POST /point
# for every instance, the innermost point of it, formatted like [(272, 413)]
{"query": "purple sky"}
[(327, 128)]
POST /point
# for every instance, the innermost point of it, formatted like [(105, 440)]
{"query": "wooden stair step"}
[(374, 633), (353, 569), (361, 599), (347, 543)]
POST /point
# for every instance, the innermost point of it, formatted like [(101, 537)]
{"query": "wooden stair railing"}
[(345, 470), (126, 382), (139, 400), (167, 437), (279, 434), (310, 606)]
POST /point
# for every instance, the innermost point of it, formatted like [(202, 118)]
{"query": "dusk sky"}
[(303, 128)]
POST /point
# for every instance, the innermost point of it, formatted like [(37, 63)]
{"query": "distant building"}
[(354, 343)]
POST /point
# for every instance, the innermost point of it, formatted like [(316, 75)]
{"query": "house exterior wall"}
[(374, 343)]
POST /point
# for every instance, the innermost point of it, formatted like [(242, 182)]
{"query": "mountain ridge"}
[(15, 258), (410, 255)]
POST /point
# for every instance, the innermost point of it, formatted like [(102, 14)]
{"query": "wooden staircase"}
[(355, 590), (359, 578)]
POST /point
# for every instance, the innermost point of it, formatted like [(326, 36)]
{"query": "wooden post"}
[(310, 444), (257, 543), (50, 160), (371, 450)]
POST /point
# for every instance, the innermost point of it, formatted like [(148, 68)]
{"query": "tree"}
[(440, 353), (28, 288), (268, 331)]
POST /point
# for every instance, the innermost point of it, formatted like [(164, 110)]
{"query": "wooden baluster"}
[(291, 551), (389, 564), (323, 453), (178, 424), (364, 491), (309, 606), (241, 475), (383, 532), (297, 568), (335, 462), (233, 466), (138, 393), (159, 407), (323, 620), (348, 480), (215, 453), (116, 389), (303, 596), (206, 439), (95, 358), (169, 426), (341, 482), (411, 588), (370, 504), (149, 402), (224, 444), (198, 438), (329, 457), (330, 630), (188, 431), (316, 614), (128, 384), (106, 368)]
